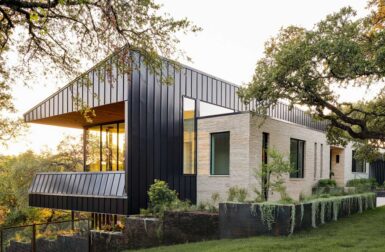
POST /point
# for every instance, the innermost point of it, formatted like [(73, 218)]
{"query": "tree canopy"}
[(58, 36), (304, 66)]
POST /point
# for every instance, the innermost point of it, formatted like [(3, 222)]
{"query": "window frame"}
[(196, 115), (211, 153), (354, 164), (85, 139), (303, 159)]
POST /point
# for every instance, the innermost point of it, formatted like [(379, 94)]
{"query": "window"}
[(104, 150), (297, 157), (220, 153), (315, 160), (208, 109), (357, 165), (265, 145), (337, 159), (188, 136)]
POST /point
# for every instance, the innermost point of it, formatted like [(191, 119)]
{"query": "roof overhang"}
[(103, 114)]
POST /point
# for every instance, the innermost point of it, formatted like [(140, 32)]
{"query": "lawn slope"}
[(359, 232)]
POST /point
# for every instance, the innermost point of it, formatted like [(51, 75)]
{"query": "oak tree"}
[(305, 66), (58, 37)]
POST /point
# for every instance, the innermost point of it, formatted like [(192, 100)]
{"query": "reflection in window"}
[(208, 109), (220, 153), (357, 165), (92, 149), (297, 157), (109, 147), (121, 146), (188, 136), (105, 147)]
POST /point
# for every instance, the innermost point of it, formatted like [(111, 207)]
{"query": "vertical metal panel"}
[(194, 84), (210, 89), (142, 133), (199, 86)]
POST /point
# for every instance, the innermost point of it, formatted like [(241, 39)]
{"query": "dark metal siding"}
[(101, 192), (154, 126), (377, 171)]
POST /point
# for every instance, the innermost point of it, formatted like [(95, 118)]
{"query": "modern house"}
[(194, 133)]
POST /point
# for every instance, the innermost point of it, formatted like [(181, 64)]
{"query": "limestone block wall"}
[(316, 163), (240, 174), (246, 154)]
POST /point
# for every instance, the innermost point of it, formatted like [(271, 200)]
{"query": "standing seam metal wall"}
[(154, 126)]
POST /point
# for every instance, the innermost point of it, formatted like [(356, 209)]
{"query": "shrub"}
[(362, 181), (236, 194), (162, 198), (210, 206), (362, 184), (327, 183)]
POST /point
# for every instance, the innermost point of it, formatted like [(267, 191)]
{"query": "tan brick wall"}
[(279, 139), (238, 125), (246, 152)]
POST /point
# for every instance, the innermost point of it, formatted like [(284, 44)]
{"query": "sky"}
[(232, 40)]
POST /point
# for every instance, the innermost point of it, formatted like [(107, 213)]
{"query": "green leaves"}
[(305, 66)]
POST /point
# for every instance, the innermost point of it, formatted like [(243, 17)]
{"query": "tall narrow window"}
[(315, 160), (357, 165), (297, 157), (109, 147), (92, 148), (220, 153), (188, 136), (265, 145), (321, 160)]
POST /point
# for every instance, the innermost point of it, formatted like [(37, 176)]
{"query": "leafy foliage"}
[(16, 174), (60, 37), (304, 66), (162, 198), (363, 184), (271, 176), (236, 194), (327, 183)]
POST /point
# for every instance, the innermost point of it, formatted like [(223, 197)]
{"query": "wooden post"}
[(33, 241)]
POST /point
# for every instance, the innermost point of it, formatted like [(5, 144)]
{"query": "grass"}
[(359, 232)]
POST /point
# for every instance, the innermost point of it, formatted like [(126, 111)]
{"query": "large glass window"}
[(297, 157), (208, 109), (188, 136), (92, 149), (105, 147), (357, 165), (220, 153)]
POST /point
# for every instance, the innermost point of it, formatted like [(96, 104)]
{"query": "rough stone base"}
[(182, 227)]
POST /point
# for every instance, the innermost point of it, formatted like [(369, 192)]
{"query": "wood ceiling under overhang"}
[(103, 114)]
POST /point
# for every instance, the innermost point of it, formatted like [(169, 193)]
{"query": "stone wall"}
[(182, 227), (239, 220), (61, 244)]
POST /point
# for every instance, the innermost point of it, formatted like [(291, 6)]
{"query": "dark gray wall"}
[(154, 126)]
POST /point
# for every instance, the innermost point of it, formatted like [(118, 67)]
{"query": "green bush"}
[(362, 181), (327, 183), (162, 198), (362, 184), (236, 194)]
